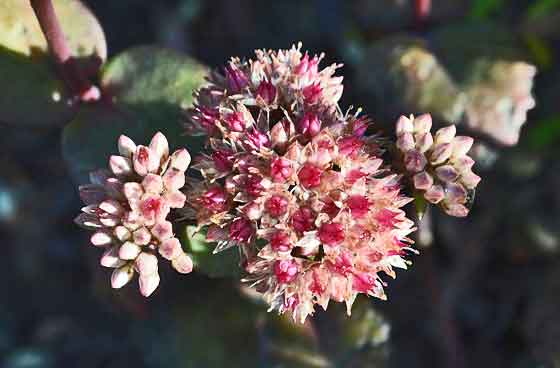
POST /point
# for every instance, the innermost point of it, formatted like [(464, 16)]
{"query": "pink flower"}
[(127, 207)]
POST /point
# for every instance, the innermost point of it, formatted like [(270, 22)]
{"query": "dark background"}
[(485, 292)]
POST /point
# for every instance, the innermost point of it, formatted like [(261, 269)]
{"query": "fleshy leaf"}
[(36, 96), (149, 88)]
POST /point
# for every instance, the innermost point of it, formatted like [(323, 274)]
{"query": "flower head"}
[(308, 201), (438, 165), (127, 206)]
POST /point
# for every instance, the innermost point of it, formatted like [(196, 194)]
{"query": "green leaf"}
[(545, 132), (21, 33), (149, 89), (483, 9), (35, 96), (223, 264), (542, 7)]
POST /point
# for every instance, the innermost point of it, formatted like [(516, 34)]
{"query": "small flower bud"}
[(445, 135), (129, 251), (159, 147), (148, 284), (180, 160), (170, 248), (235, 78), (111, 258), (163, 230), (267, 92), (461, 145), (447, 173), (121, 276), (152, 183), (404, 125), (414, 161), (435, 194), (142, 236), (120, 166), (146, 264), (101, 239), (424, 142), (405, 142), (441, 153), (423, 123), (182, 263), (126, 146), (423, 181)]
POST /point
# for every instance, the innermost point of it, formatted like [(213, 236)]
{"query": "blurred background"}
[(484, 291)]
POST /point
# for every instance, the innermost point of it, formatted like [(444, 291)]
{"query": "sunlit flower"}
[(128, 208), (295, 185)]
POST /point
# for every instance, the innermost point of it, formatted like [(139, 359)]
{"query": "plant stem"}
[(76, 83)]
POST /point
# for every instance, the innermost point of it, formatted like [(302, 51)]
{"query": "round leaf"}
[(149, 89), (20, 31)]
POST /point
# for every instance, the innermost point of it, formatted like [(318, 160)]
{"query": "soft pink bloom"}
[(127, 207)]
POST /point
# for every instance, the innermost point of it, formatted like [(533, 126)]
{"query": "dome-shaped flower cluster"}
[(296, 184), (439, 166), (128, 206)]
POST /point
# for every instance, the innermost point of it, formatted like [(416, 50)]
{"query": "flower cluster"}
[(128, 206), (296, 185), (439, 166)]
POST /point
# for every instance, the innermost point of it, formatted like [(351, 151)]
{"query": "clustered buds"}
[(128, 206), (295, 184), (287, 178), (438, 166)]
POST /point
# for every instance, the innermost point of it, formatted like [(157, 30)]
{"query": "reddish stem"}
[(422, 11), (77, 84)]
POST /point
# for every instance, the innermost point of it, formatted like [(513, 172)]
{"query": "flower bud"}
[(182, 263), (423, 181), (148, 284), (423, 123), (129, 251), (126, 146), (267, 92), (404, 125), (120, 165), (309, 125), (441, 153), (445, 135), (435, 194), (235, 78), (121, 276), (414, 161), (170, 248)]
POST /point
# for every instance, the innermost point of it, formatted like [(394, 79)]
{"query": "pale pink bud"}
[(445, 135), (455, 194), (241, 230), (142, 236), (180, 160), (309, 125), (303, 220), (280, 170), (174, 179), (461, 145), (441, 153), (423, 123), (120, 165), (159, 147), (276, 205), (110, 258), (126, 146), (424, 142), (121, 276), (447, 173), (162, 230), (132, 220), (129, 251), (111, 207), (235, 78), (435, 194), (133, 191), (285, 271), (148, 284), (267, 92), (464, 164), (470, 179), (152, 183), (146, 264), (182, 263), (141, 160), (122, 233), (423, 181), (414, 161), (109, 221), (331, 233), (405, 142), (101, 239), (457, 210), (175, 199), (310, 176), (404, 125), (170, 248)]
